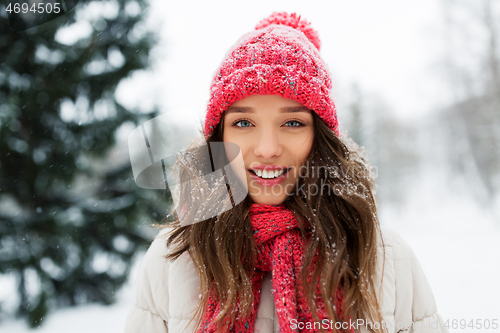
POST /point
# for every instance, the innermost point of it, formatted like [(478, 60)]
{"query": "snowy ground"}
[(84, 319), (459, 250), (457, 243)]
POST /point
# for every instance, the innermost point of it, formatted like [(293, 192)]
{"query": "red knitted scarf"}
[(280, 251)]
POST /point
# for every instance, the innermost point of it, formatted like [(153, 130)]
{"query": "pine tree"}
[(70, 217)]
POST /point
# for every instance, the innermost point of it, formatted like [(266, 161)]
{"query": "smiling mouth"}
[(271, 174)]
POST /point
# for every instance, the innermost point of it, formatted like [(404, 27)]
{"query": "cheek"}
[(243, 150), (228, 134), (242, 141), (302, 149), (242, 144)]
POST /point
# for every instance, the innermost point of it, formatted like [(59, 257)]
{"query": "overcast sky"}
[(390, 48)]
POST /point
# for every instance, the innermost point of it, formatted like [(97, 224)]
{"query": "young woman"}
[(303, 252)]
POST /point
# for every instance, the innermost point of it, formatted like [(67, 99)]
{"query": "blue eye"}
[(295, 122), (243, 122)]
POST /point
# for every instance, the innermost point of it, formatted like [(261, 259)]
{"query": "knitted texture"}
[(293, 21), (280, 251), (281, 57)]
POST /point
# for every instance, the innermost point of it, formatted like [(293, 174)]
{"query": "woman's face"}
[(275, 135)]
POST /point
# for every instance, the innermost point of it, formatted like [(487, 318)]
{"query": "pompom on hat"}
[(280, 57)]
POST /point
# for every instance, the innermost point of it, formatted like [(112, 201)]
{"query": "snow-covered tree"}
[(70, 213)]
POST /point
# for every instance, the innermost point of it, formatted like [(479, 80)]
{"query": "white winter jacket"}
[(167, 293)]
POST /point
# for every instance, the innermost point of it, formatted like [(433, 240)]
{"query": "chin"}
[(267, 200)]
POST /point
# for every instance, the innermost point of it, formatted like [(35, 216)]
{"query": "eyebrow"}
[(289, 109)]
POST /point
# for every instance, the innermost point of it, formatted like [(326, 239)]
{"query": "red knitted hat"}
[(280, 57)]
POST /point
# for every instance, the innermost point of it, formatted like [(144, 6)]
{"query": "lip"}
[(268, 182), (269, 167)]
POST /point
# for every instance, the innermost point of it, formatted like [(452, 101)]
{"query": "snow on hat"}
[(280, 57)]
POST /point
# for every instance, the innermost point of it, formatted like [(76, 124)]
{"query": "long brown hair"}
[(341, 219)]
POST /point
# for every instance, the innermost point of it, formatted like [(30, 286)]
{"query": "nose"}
[(268, 144)]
